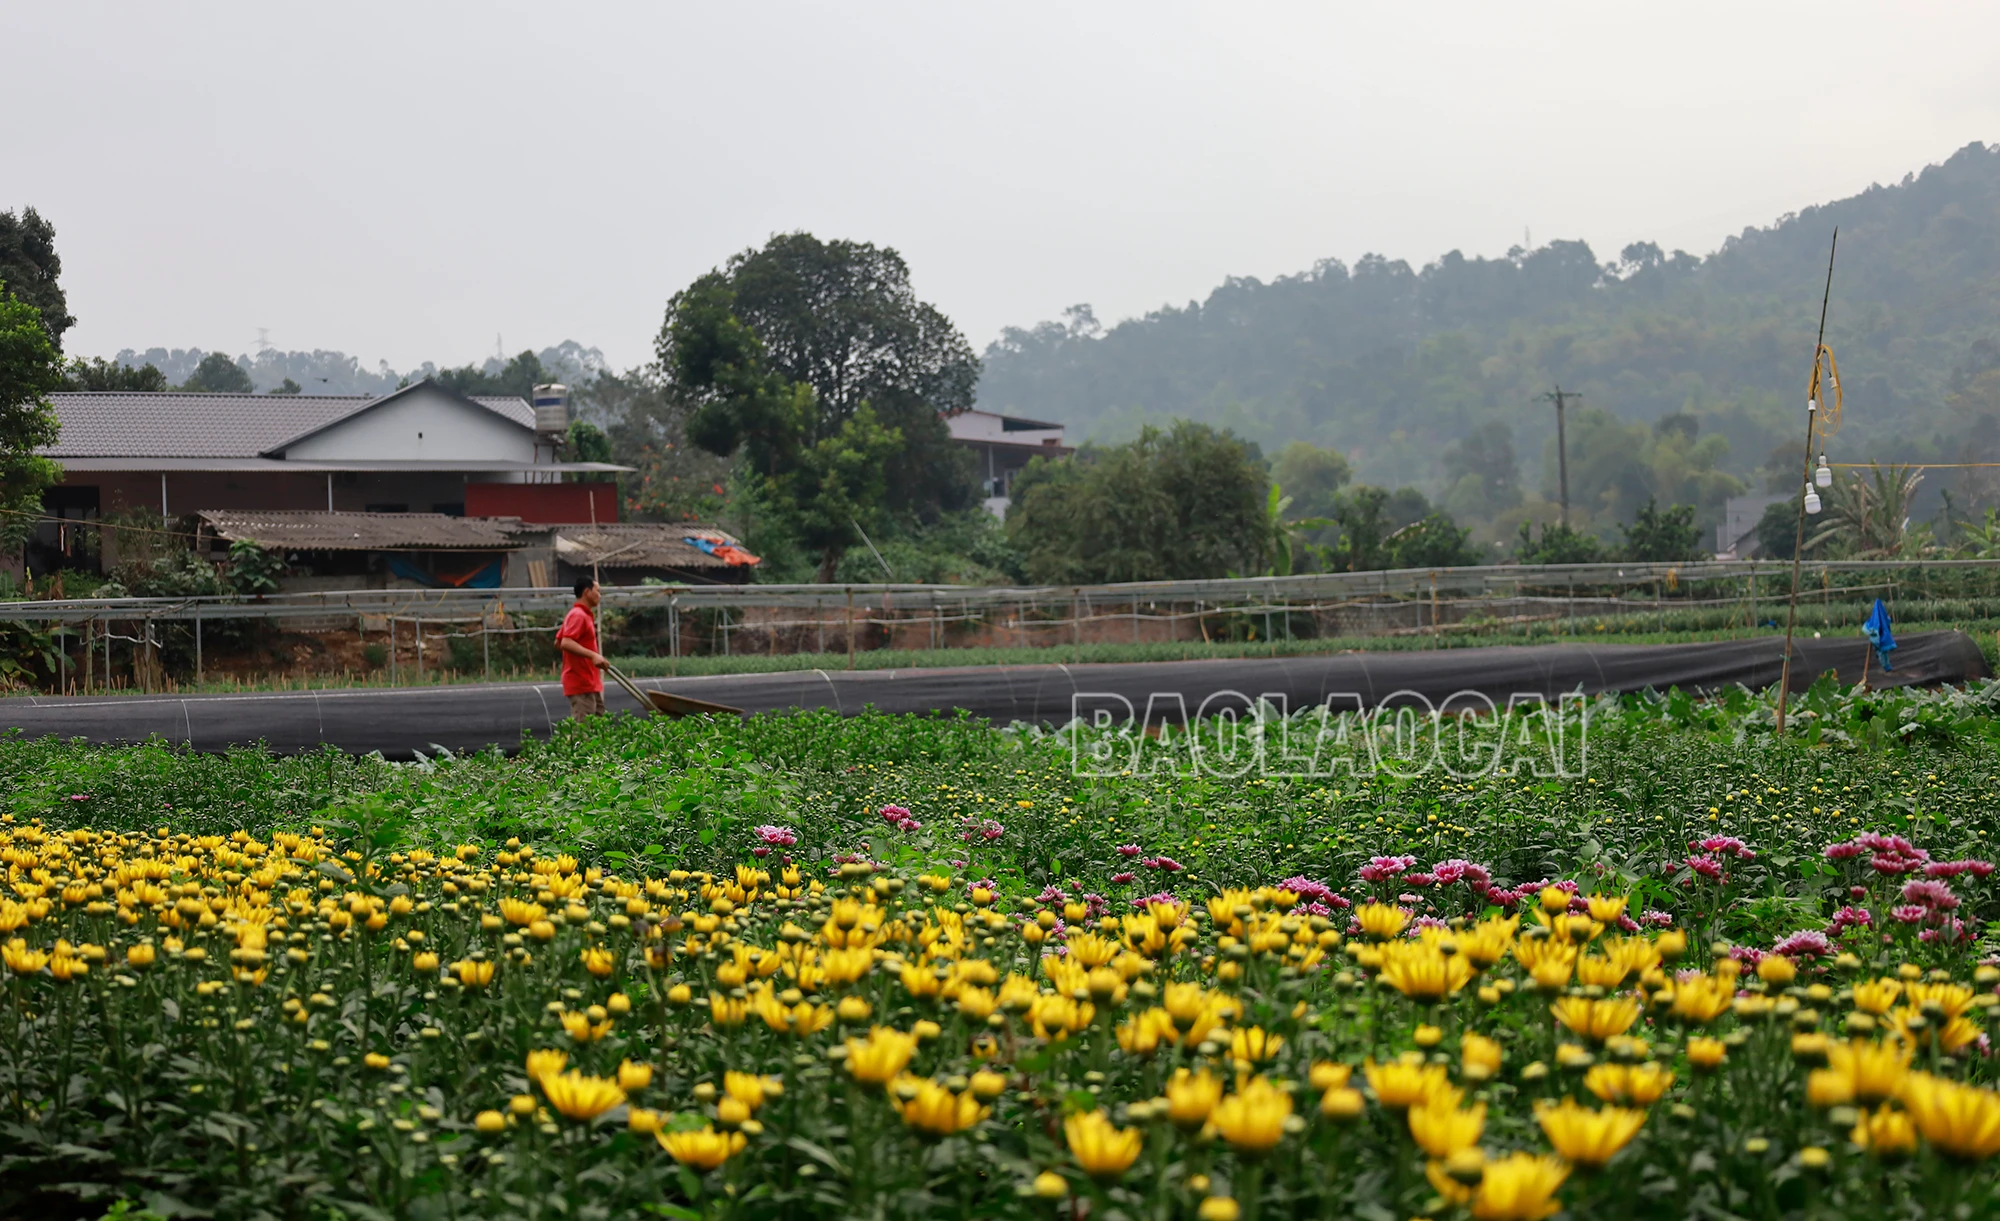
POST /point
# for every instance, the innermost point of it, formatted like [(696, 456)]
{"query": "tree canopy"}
[(817, 364), (31, 270), (218, 374), (30, 370), (1184, 502), (98, 373)]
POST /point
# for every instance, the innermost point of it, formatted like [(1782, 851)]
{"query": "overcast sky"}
[(408, 181)]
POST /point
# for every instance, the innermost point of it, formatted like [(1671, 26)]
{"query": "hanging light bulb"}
[(1824, 475), (1812, 501)]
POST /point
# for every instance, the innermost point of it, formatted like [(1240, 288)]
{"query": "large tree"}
[(30, 269), (816, 364), (1183, 503), (842, 318), (30, 370), (217, 374)]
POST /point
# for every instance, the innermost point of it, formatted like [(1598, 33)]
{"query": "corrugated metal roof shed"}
[(175, 425), (316, 530), (641, 545)]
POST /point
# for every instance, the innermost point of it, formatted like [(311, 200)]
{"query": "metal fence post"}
[(197, 646), (392, 650), (486, 649)]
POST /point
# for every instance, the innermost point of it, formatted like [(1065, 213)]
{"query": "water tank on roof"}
[(552, 409)]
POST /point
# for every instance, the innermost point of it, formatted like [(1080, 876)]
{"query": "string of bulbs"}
[(1823, 404)]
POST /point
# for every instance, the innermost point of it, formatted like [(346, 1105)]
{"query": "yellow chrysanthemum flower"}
[(703, 1150), (1441, 1128), (1588, 1137), (936, 1112), (1596, 1020), (1422, 971), (581, 1097), (1407, 1082), (1252, 1120), (1519, 1187), (879, 1058), (1103, 1151), (1640, 1083), (1960, 1121), (1191, 1097), (1380, 920)]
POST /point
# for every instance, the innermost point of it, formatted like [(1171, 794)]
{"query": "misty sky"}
[(405, 181)]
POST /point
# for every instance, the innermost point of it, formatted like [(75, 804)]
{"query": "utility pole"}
[(1560, 398)]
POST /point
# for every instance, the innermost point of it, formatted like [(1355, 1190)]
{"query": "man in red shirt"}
[(577, 641)]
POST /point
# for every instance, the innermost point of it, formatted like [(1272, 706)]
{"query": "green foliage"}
[(31, 656), (31, 270), (254, 570), (30, 370), (218, 374), (98, 373), (1482, 476), (1778, 530), (518, 377), (816, 361), (1559, 544), (169, 574), (1866, 516), (586, 442), (1433, 541), (1312, 477), (1187, 502), (1664, 536), (288, 386), (646, 428)]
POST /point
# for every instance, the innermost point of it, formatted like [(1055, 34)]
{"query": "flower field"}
[(901, 967)]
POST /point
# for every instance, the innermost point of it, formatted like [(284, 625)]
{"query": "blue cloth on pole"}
[(1877, 630)]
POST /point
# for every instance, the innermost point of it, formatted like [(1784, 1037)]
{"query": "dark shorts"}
[(588, 703)]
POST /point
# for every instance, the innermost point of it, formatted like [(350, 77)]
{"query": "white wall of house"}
[(425, 423)]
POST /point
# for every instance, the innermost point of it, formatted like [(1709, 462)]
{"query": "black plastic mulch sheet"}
[(401, 722)]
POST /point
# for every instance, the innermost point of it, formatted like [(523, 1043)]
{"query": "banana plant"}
[(1288, 537)]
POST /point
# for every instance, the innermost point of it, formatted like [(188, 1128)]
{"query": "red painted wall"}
[(553, 504)]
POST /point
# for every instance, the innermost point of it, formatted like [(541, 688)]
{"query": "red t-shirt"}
[(579, 674)]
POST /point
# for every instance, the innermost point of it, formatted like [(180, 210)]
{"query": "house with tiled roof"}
[(421, 486)]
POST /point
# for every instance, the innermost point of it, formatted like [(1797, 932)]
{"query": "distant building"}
[(420, 487), (1736, 537), (1003, 445)]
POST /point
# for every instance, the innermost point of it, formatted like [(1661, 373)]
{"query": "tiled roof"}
[(173, 425), (640, 545), (318, 530)]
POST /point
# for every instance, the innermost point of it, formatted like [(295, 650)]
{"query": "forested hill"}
[(1390, 363)]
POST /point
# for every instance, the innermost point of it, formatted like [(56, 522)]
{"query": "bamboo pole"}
[(1813, 395)]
